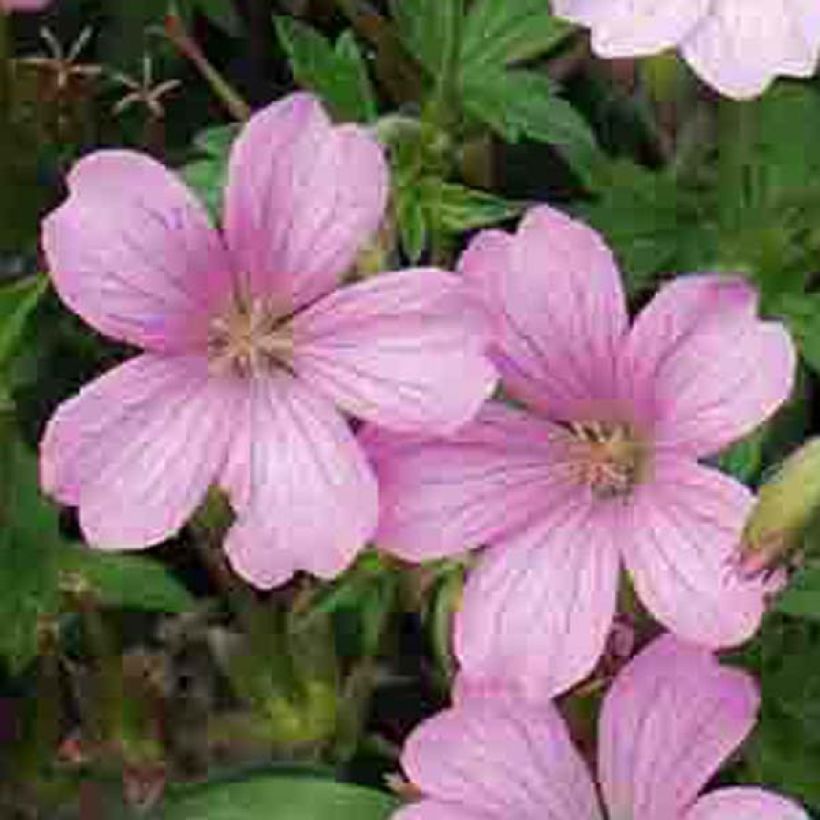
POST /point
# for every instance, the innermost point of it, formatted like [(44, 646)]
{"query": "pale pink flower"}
[(668, 722), (737, 46), (24, 5), (249, 344), (600, 467)]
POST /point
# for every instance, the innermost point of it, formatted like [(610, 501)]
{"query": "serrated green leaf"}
[(454, 208), (801, 599), (500, 32), (216, 142), (285, 798), (338, 75), (17, 301), (519, 104), (426, 27)]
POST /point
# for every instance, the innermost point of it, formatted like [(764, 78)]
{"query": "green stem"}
[(736, 135), (442, 108)]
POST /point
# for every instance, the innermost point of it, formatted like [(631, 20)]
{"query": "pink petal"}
[(132, 252), (740, 47), (24, 5), (537, 610), (443, 496), (633, 28), (433, 810), (745, 803), (702, 371), (306, 498), (679, 538), (404, 350), (501, 759), (670, 719), (555, 293), (303, 198), (138, 448)]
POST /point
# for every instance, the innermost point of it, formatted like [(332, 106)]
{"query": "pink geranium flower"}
[(670, 719), (737, 46), (249, 346), (600, 467)]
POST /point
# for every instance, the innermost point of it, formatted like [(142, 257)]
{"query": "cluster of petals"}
[(737, 46), (252, 348), (596, 465), (670, 719)]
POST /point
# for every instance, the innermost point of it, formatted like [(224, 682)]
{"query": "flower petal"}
[(740, 47), (305, 496), (745, 803), (404, 350), (670, 719), (633, 28), (433, 810), (680, 536), (701, 369), (303, 198), (138, 448), (446, 495), (555, 294), (501, 758), (538, 608), (132, 252)]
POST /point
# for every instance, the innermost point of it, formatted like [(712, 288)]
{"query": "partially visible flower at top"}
[(672, 716), (601, 465), (737, 46), (250, 344), (24, 5)]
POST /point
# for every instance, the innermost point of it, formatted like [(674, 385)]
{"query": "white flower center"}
[(609, 458)]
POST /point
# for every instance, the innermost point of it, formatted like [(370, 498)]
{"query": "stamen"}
[(609, 458)]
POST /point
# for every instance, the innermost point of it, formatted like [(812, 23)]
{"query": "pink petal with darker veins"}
[(305, 496), (679, 536), (537, 610), (303, 198), (137, 449), (133, 253), (554, 292), (404, 350), (499, 759), (442, 496), (671, 717), (745, 803), (700, 369)]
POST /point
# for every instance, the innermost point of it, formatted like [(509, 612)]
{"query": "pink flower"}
[(737, 46), (600, 467), (24, 5), (670, 719), (249, 346)]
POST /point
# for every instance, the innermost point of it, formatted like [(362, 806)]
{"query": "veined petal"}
[(500, 758), (700, 369), (555, 295), (404, 350), (138, 448), (680, 535), (745, 803), (303, 198), (672, 716), (133, 253), (537, 610), (740, 47), (634, 28), (441, 496), (433, 810), (305, 495)]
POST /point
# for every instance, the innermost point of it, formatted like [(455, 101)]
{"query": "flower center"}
[(609, 458), (247, 338)]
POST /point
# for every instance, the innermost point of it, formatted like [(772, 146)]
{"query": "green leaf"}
[(17, 301), (519, 104), (427, 28), (216, 142), (454, 208), (207, 178), (285, 798), (500, 32), (337, 74), (412, 222), (801, 599), (802, 314), (126, 581)]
